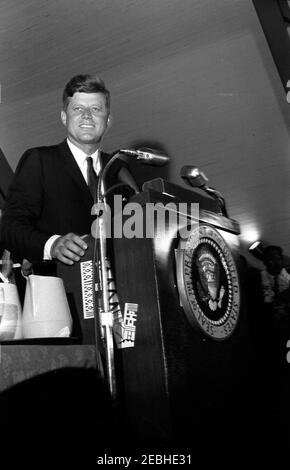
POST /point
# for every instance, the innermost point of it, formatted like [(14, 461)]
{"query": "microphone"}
[(193, 176), (197, 179), (147, 156)]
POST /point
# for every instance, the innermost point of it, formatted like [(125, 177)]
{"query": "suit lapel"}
[(73, 171)]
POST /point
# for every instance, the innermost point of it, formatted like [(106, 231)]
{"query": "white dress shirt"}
[(81, 159)]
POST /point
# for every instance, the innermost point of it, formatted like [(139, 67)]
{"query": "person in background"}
[(48, 205), (275, 285)]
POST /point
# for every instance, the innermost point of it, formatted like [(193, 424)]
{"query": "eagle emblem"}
[(208, 284)]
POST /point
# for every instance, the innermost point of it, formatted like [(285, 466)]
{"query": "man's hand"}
[(69, 248)]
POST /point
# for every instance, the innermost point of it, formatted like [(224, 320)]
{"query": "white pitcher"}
[(46, 311)]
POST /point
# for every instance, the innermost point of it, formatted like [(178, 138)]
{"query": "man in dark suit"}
[(48, 206)]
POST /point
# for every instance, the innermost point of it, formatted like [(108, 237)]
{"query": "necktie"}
[(92, 177)]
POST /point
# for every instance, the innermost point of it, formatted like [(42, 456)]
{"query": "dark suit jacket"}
[(47, 196)]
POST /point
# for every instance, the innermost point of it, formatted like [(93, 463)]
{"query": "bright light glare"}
[(254, 245), (250, 234)]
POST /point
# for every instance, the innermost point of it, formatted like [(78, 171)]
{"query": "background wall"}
[(193, 76)]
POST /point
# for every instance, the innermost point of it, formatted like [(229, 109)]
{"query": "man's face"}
[(86, 119), (274, 263)]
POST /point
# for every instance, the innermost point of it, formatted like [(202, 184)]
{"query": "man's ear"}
[(63, 117), (109, 120)]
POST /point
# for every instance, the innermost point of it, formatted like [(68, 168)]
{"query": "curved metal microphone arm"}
[(114, 156), (219, 197)]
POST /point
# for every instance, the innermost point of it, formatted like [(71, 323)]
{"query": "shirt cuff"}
[(48, 245)]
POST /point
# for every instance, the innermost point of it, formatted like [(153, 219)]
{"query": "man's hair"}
[(272, 249), (85, 84)]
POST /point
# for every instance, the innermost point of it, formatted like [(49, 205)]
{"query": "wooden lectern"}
[(184, 360)]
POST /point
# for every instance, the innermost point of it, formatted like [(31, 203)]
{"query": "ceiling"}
[(194, 77)]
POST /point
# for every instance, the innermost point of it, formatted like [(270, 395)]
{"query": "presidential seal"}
[(208, 283)]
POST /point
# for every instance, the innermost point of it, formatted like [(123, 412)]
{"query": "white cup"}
[(10, 312)]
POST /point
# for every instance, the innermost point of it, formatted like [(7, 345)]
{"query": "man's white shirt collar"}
[(80, 157)]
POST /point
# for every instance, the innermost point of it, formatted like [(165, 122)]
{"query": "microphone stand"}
[(218, 196), (100, 260), (150, 157)]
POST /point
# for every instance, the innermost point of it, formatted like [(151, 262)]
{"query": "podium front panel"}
[(178, 383)]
